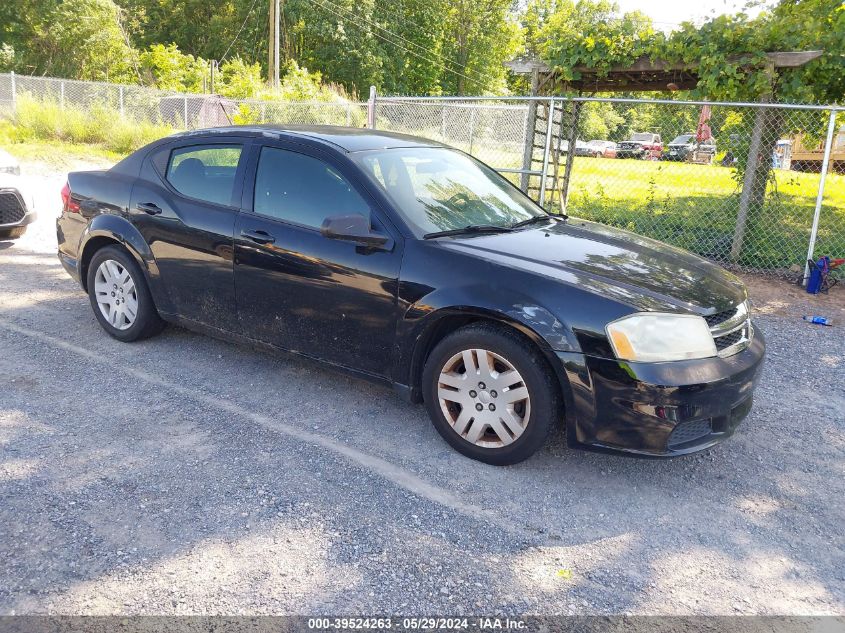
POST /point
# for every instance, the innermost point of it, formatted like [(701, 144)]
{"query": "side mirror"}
[(355, 228)]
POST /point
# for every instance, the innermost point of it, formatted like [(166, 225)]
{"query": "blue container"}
[(814, 283), (818, 320)]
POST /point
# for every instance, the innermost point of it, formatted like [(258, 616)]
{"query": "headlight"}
[(655, 337)]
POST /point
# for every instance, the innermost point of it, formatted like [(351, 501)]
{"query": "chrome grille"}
[(726, 341), (731, 330), (720, 317)]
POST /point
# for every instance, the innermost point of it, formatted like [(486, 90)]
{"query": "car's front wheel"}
[(490, 394), (120, 297)]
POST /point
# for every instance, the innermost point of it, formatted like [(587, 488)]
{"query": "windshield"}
[(440, 189), (641, 136), (683, 139)]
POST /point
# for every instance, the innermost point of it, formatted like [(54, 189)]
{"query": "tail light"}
[(68, 204)]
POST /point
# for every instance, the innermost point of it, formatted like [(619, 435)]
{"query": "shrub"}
[(100, 125)]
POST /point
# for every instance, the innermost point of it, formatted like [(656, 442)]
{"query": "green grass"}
[(100, 126), (695, 207), (55, 153)]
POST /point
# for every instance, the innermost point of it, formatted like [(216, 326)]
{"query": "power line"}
[(414, 44), (444, 62), (240, 30), (262, 34), (354, 18)]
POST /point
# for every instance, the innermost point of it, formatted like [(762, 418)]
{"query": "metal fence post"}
[(348, 116), (471, 129), (371, 109), (546, 149), (185, 111), (571, 143), (828, 144), (62, 96), (121, 102), (14, 92)]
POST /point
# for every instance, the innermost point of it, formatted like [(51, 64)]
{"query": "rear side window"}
[(205, 172), (301, 189)]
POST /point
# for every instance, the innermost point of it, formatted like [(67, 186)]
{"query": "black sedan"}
[(411, 263)]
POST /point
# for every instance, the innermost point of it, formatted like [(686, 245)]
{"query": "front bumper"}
[(13, 210), (676, 153), (636, 152), (659, 409)]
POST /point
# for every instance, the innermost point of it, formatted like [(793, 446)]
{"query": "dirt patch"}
[(784, 298)]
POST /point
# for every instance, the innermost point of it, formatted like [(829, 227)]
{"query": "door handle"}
[(150, 208), (259, 237)]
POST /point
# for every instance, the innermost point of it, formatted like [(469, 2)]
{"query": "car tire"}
[(517, 369), (110, 266), (12, 234)]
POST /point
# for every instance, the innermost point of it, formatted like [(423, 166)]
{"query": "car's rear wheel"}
[(11, 234), (120, 297), (490, 394)]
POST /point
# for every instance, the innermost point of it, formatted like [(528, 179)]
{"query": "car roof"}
[(348, 139)]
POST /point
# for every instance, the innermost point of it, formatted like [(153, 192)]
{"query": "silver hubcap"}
[(116, 294), (483, 398)]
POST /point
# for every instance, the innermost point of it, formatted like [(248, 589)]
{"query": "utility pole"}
[(273, 45), (213, 74)]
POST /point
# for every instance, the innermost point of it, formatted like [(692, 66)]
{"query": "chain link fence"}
[(170, 109), (741, 184), (754, 187)]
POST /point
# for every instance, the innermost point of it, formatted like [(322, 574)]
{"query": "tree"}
[(480, 36), (84, 39), (240, 79), (593, 34), (336, 38), (168, 68), (19, 23), (411, 44)]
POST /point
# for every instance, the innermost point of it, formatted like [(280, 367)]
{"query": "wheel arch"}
[(105, 230), (444, 321)]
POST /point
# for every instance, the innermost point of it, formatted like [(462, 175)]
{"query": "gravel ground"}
[(186, 475)]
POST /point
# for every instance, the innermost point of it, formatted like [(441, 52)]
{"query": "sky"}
[(668, 14)]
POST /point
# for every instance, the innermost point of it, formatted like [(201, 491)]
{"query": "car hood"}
[(641, 272)]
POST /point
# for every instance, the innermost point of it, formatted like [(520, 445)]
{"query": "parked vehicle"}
[(807, 153), (602, 149), (643, 145), (16, 203), (686, 148), (582, 149), (413, 264)]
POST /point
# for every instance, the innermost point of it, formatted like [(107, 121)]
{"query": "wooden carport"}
[(649, 75)]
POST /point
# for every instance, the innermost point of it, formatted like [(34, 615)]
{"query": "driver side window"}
[(301, 189)]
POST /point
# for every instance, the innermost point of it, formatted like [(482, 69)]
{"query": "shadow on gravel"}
[(120, 495)]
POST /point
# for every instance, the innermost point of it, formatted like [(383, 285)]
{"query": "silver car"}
[(16, 205)]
